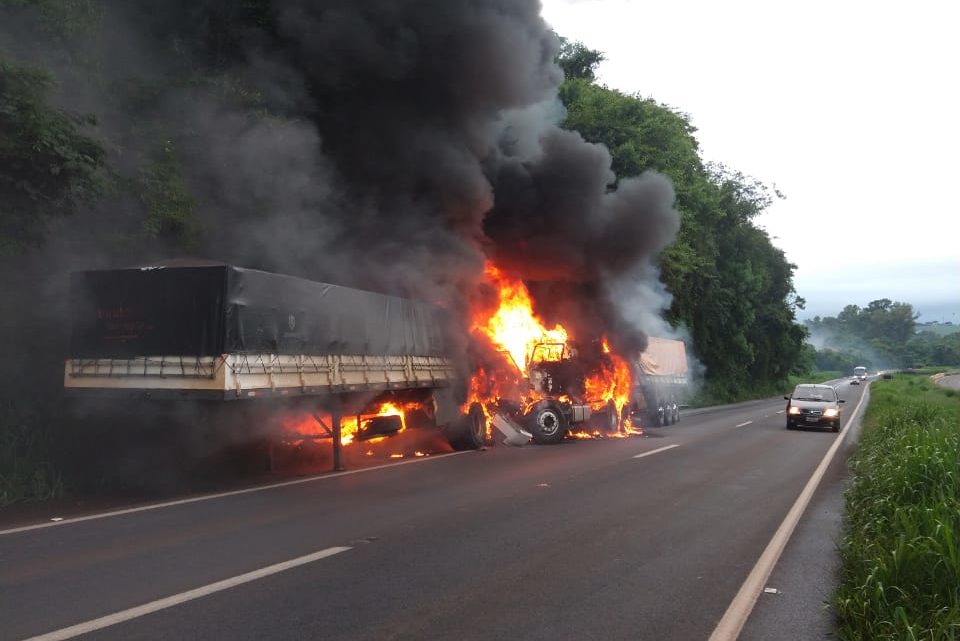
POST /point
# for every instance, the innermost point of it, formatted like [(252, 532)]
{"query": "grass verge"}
[(900, 574)]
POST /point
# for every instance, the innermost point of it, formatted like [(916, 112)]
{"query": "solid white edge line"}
[(742, 424), (729, 627), (177, 599), (656, 451), (220, 495)]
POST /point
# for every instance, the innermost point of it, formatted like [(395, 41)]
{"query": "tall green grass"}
[(900, 576), (27, 471)]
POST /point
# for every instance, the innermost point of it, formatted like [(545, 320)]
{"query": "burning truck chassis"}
[(301, 361)]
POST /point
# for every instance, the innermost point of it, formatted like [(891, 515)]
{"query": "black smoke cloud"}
[(407, 141)]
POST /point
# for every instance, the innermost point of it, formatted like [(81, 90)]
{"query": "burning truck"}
[(305, 360), (540, 382)]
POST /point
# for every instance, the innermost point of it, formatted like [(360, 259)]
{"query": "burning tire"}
[(627, 415), (473, 430), (547, 423), (611, 418)]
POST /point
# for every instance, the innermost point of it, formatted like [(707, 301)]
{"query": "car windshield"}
[(811, 393)]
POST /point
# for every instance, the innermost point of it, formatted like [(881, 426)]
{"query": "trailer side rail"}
[(241, 375)]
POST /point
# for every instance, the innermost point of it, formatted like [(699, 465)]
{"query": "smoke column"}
[(404, 142)]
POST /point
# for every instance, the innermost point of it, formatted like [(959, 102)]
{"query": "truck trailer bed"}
[(219, 331)]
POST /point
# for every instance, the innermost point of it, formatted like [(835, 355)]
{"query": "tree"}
[(48, 165), (578, 61)]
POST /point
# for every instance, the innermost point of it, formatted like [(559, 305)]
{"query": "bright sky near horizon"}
[(850, 107)]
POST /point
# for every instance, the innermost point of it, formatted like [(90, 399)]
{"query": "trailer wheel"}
[(473, 430), (547, 423), (660, 415)]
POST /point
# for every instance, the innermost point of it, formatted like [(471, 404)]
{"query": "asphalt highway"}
[(639, 538), (952, 381)]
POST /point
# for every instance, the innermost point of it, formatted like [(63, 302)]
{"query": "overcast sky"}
[(852, 109)]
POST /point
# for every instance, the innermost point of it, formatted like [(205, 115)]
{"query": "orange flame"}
[(514, 328), (611, 382), (350, 426)]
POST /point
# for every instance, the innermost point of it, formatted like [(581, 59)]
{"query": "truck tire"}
[(611, 418), (547, 423), (660, 415), (473, 430), (626, 415)]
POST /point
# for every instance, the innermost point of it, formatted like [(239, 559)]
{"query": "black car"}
[(813, 406)]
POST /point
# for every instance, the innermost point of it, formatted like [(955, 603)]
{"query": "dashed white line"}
[(781, 411), (742, 424), (659, 449), (176, 599)]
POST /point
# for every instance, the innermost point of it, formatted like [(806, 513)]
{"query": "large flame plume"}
[(513, 327)]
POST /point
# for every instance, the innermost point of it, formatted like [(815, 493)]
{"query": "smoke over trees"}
[(884, 334)]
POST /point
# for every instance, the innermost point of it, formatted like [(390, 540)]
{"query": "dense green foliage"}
[(48, 165), (732, 289), (901, 549), (881, 335)]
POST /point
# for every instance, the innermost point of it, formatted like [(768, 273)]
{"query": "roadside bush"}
[(27, 471)]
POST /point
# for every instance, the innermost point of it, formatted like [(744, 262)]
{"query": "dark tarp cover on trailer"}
[(215, 309)]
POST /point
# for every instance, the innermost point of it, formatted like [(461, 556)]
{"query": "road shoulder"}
[(795, 603)]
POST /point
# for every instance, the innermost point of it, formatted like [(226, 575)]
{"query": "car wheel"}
[(836, 426), (789, 425)]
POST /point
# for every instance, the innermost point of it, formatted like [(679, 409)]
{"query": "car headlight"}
[(794, 410), (830, 413)]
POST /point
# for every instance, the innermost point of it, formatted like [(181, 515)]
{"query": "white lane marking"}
[(220, 495), (742, 424), (659, 449), (781, 411), (742, 605), (177, 599)]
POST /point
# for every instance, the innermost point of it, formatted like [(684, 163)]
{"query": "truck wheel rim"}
[(549, 423)]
